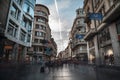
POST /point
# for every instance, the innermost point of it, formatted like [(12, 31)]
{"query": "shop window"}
[(108, 56), (104, 36)]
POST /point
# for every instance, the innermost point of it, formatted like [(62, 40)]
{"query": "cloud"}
[(67, 13)]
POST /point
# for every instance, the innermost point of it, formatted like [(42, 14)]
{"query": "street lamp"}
[(71, 48)]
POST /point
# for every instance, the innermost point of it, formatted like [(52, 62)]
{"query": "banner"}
[(95, 16), (79, 36)]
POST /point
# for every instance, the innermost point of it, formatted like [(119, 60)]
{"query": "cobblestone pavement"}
[(65, 72)]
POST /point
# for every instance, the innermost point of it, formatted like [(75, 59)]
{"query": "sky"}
[(62, 15)]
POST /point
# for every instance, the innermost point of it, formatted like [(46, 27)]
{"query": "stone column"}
[(88, 53), (15, 52), (115, 44), (97, 56)]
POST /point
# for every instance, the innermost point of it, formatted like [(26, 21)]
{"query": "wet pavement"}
[(65, 72)]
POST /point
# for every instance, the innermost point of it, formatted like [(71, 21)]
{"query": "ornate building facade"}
[(103, 35), (42, 43), (78, 44)]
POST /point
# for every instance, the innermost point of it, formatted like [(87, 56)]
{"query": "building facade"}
[(53, 49), (103, 35), (41, 40), (18, 27), (79, 46)]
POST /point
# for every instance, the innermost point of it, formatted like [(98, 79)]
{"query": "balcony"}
[(83, 51), (89, 34), (41, 15), (113, 13), (80, 25), (77, 43)]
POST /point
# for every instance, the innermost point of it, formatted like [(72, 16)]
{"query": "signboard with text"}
[(95, 16)]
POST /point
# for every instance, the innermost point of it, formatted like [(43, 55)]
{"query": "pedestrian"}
[(111, 59), (42, 69)]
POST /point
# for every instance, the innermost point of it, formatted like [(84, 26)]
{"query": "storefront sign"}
[(79, 36), (95, 16)]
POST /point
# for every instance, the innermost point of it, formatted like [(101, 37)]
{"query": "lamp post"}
[(71, 48)]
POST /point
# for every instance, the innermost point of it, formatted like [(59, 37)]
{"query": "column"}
[(88, 52), (23, 54), (1, 48), (115, 44), (97, 56), (15, 52)]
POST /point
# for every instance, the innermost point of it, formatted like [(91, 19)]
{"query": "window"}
[(35, 40), (41, 41), (27, 24), (42, 20), (15, 12), (22, 35), (81, 21), (37, 26), (12, 29), (41, 13), (24, 22), (28, 9), (28, 38), (104, 36), (40, 27), (39, 34), (40, 49), (36, 49), (19, 2)]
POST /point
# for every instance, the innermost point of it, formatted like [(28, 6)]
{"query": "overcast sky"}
[(62, 15)]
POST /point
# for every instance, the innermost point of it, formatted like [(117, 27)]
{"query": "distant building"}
[(103, 35), (43, 46), (78, 44), (17, 23)]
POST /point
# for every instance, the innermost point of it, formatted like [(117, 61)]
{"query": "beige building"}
[(103, 35), (17, 28), (53, 49), (41, 41), (78, 44)]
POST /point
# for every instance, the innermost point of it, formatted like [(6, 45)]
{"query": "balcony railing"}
[(90, 33), (83, 51), (80, 25), (77, 43), (42, 15)]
